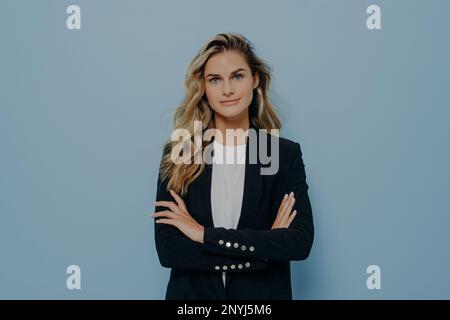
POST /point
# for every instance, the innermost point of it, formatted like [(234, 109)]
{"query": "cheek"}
[(246, 91), (211, 93), (246, 88)]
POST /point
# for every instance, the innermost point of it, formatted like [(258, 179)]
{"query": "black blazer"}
[(256, 258)]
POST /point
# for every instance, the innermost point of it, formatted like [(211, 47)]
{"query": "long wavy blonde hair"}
[(195, 107)]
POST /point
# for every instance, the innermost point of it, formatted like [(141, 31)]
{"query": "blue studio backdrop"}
[(85, 108)]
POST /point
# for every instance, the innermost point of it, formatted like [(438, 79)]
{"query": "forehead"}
[(225, 63)]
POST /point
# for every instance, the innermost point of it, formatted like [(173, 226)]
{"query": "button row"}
[(239, 266), (236, 245)]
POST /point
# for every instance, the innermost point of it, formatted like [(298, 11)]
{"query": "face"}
[(229, 84)]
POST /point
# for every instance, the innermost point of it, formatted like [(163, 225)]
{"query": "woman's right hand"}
[(284, 215)]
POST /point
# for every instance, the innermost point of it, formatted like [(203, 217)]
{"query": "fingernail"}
[(285, 196), (291, 194), (295, 212)]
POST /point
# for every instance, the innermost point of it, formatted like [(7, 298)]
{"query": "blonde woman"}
[(226, 228)]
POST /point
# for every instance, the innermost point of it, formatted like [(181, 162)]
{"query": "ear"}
[(256, 81)]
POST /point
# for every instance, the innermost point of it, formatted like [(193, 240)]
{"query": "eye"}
[(213, 80), (238, 76)]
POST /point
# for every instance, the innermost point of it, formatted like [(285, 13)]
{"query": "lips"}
[(230, 102)]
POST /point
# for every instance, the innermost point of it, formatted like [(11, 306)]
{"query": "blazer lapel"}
[(253, 185)]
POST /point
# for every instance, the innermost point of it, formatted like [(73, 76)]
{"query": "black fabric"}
[(262, 267)]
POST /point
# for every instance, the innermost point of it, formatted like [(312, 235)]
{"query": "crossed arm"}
[(183, 243)]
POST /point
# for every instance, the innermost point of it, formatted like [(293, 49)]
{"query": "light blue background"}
[(84, 114)]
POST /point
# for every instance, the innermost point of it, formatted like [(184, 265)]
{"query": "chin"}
[(229, 112)]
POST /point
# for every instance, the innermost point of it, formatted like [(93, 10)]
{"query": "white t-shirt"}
[(227, 186)]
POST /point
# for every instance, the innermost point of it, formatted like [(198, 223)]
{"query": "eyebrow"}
[(218, 75)]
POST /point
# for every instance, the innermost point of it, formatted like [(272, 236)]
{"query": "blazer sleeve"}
[(175, 250), (283, 244)]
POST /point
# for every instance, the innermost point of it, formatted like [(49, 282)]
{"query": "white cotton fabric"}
[(227, 186)]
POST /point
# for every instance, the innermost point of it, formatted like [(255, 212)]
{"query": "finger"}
[(280, 208), (179, 201), (288, 210), (167, 221), (169, 204), (281, 212), (283, 201), (291, 218), (286, 205), (166, 213), (283, 205)]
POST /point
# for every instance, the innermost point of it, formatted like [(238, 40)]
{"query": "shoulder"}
[(287, 147), (290, 155), (289, 151)]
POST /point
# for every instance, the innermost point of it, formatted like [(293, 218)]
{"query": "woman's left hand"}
[(179, 217)]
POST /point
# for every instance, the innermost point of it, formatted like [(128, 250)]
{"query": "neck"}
[(222, 123)]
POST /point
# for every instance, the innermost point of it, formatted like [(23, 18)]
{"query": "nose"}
[(227, 89)]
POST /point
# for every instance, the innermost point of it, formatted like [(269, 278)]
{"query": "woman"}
[(227, 230)]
